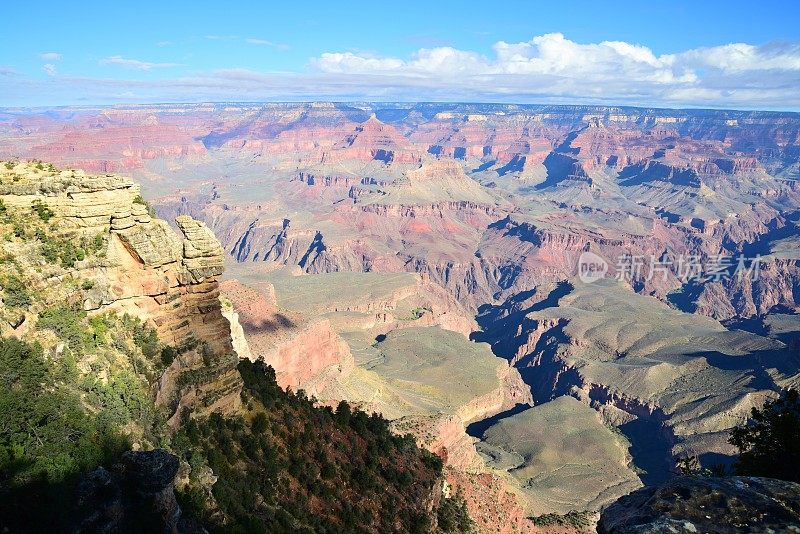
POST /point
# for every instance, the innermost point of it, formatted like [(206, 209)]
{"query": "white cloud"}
[(339, 62), (164, 43), (447, 60), (427, 61), (136, 64), (264, 42), (222, 37), (552, 66), (550, 54), (50, 56), (742, 57), (49, 69), (548, 68)]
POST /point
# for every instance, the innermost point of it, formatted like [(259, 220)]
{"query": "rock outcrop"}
[(443, 435), (491, 503), (145, 270), (305, 352), (137, 494), (696, 504)]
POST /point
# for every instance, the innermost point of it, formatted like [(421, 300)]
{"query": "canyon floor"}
[(423, 261)]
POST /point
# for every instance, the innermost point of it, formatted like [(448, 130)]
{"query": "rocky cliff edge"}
[(141, 267)]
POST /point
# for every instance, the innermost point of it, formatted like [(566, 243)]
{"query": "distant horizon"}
[(356, 102)]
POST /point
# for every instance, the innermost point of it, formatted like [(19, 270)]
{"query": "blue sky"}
[(709, 54)]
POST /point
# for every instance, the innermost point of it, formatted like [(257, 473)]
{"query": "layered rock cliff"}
[(140, 268), (301, 349)]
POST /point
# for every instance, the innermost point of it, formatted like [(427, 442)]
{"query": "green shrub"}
[(99, 325), (19, 230), (66, 321), (573, 518), (15, 295), (259, 423), (168, 354), (453, 516), (192, 501), (68, 255), (44, 212), (139, 199), (769, 443), (46, 431), (147, 340), (96, 245)]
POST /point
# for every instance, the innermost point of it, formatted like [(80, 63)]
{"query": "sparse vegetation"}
[(42, 210), (65, 250), (59, 250), (15, 294), (453, 516), (416, 313), (573, 518), (140, 200), (688, 465)]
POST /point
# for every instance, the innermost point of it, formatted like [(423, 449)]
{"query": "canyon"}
[(119, 347), (423, 261)]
